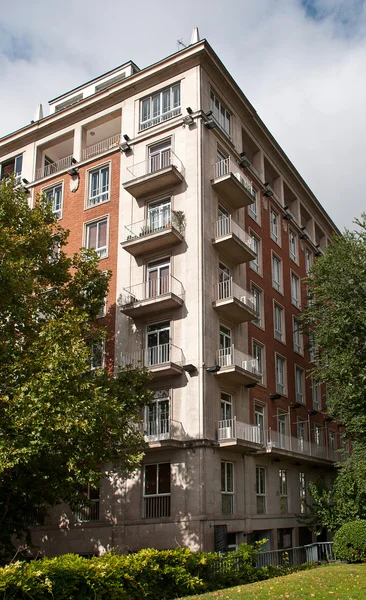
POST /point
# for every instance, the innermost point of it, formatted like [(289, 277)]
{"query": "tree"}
[(59, 419), (336, 318)]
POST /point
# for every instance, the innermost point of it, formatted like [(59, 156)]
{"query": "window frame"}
[(256, 263), (308, 260), (295, 286), (283, 391), (299, 349), (101, 345), (161, 397), (275, 226), (279, 334), (278, 286), (255, 214), (214, 100), (52, 187), (260, 489), (315, 394), (227, 493), (284, 496), (262, 371), (259, 322), (173, 111), (97, 221), (302, 393), (293, 240), (90, 173), (302, 491)]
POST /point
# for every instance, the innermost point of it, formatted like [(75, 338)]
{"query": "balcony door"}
[(301, 435), (159, 215), (224, 282), (160, 156), (158, 278), (158, 343), (224, 222), (225, 346), (281, 419), (157, 416), (259, 420)]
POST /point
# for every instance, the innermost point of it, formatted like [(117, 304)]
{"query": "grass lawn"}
[(334, 582)]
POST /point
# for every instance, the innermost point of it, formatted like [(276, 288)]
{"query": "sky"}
[(301, 63)]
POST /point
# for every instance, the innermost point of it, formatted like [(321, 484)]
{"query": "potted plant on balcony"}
[(179, 220), (145, 230)]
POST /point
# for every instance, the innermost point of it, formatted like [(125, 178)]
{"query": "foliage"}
[(59, 420), (149, 574), (350, 542)]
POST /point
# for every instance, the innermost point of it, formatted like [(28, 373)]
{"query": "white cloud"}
[(304, 76)]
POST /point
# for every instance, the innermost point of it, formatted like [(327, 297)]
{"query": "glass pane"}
[(223, 477), (156, 105), (102, 234), (164, 478), (145, 109), (166, 101), (105, 180), (92, 236), (94, 184), (176, 96), (150, 479)]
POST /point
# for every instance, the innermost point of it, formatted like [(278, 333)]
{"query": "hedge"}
[(350, 542)]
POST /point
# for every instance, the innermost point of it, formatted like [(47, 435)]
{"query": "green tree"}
[(59, 420), (336, 316)]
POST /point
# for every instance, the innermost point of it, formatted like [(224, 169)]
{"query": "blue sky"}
[(301, 63)]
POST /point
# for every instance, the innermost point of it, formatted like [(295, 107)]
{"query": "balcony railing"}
[(233, 429), (276, 439), (87, 513), (230, 357), (164, 429), (58, 165), (154, 288), (227, 166), (228, 289), (154, 357), (156, 163), (226, 226), (156, 507), (100, 147), (151, 226)]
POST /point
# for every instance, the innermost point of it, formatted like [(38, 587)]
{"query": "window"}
[(221, 114), (96, 237), (302, 489), (160, 156), (274, 221), (257, 301), (54, 197), (260, 473), (14, 165), (227, 487), (301, 434), (103, 309), (276, 273), (98, 186), (312, 348), (282, 428), (159, 215), (89, 512), (97, 356), (158, 343), (299, 385), (258, 354), (297, 336), (278, 323), (255, 263), (226, 407), (253, 209), (160, 106), (315, 394), (225, 282), (158, 278), (318, 434), (224, 222), (156, 491), (293, 245), (332, 439), (283, 491), (308, 260), (295, 290), (157, 420), (259, 420), (226, 351), (280, 375)]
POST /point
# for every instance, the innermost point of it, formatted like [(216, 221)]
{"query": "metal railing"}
[(227, 166), (152, 357), (100, 147), (292, 557), (154, 288), (164, 429), (233, 429), (230, 357), (276, 439), (228, 289), (156, 507), (58, 165), (154, 164), (87, 513), (227, 225), (151, 225)]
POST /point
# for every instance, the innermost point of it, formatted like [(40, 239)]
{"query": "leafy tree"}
[(59, 420), (336, 317)]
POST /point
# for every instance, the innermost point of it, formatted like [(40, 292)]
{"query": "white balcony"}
[(147, 235), (279, 443), (150, 297), (232, 241), (233, 302), (236, 367), (162, 361), (110, 143), (231, 184), (164, 432), (154, 175), (239, 436), (54, 167)]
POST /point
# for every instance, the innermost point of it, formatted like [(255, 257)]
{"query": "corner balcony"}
[(110, 143), (146, 236), (164, 360), (234, 303), (233, 242), (154, 175), (280, 444), (239, 436), (55, 167), (232, 185), (164, 432), (151, 297), (237, 368)]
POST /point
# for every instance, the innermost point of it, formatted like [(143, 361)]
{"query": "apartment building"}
[(209, 231)]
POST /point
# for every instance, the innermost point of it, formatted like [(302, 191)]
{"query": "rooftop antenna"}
[(181, 44)]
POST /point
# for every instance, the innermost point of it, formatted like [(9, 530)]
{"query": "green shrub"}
[(350, 542)]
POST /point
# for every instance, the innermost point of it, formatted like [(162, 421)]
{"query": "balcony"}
[(233, 242), (55, 155), (278, 443), (232, 185), (146, 236), (164, 432), (110, 143), (234, 303), (54, 167), (236, 367), (150, 297), (154, 175), (235, 435), (162, 361), (156, 507)]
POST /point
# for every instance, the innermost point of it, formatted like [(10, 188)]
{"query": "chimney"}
[(195, 36), (39, 113)]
